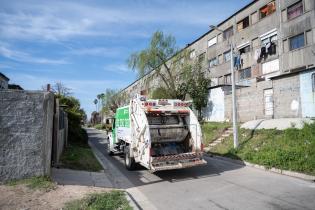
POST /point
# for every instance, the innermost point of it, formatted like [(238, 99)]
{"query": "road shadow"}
[(141, 176)]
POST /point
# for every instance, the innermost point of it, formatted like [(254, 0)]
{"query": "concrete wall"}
[(307, 93), (250, 102), (60, 133), (215, 107), (287, 101), (26, 126)]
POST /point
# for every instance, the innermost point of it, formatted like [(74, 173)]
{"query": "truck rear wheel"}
[(129, 161)]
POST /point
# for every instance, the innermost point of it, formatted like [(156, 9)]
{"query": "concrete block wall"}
[(250, 102), (26, 126), (286, 92)]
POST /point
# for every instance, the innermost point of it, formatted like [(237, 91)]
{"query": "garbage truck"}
[(159, 134)]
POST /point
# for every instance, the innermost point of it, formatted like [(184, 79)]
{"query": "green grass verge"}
[(291, 149), (41, 183), (105, 201), (213, 130), (79, 157)]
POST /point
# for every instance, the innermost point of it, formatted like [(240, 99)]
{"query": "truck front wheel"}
[(129, 161)]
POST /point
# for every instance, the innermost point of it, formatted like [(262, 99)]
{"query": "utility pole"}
[(234, 111), (234, 108)]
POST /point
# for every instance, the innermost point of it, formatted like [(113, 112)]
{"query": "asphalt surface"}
[(217, 185)]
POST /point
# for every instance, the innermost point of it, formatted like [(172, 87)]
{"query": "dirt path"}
[(20, 197)]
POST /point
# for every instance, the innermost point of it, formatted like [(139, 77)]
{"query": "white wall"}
[(215, 107)]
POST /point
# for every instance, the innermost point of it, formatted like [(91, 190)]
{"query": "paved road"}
[(218, 185)]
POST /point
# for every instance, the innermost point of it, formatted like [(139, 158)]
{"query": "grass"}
[(79, 157), (291, 149), (40, 182), (105, 201), (213, 130)]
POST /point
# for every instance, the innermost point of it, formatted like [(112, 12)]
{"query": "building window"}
[(295, 10), (243, 24), (228, 33), (313, 82), (267, 9), (227, 56), (269, 45), (245, 73), (201, 57), (213, 62), (244, 49), (297, 42), (212, 41), (273, 38), (192, 54), (227, 79)]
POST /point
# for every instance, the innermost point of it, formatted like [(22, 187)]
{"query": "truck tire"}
[(129, 161)]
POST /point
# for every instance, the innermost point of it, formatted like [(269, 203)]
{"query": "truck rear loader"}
[(159, 134)]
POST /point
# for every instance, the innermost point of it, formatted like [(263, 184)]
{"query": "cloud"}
[(61, 20), (117, 68), (26, 57), (96, 51)]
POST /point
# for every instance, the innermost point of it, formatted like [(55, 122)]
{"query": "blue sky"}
[(85, 44)]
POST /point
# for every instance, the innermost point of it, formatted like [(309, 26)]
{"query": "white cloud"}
[(117, 68), (59, 20), (26, 57), (96, 51)]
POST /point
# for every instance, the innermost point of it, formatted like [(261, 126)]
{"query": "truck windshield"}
[(163, 120)]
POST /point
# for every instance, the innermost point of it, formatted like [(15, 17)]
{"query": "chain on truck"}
[(159, 134)]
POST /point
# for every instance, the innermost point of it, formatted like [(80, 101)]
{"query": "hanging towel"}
[(257, 54)]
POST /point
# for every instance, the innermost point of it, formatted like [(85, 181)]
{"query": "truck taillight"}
[(180, 104), (149, 104)]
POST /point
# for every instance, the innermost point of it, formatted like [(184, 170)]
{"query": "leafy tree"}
[(111, 100), (76, 116), (180, 75), (197, 86), (160, 93), (156, 56), (95, 102)]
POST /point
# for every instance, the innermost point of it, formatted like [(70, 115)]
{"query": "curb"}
[(98, 156), (132, 202), (273, 170)]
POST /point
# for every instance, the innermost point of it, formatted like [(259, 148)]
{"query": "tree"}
[(60, 89), (197, 86), (95, 102), (111, 100), (180, 74), (156, 56), (76, 116)]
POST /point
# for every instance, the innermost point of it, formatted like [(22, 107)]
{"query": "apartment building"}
[(274, 41)]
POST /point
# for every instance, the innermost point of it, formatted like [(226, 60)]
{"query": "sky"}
[(85, 44)]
